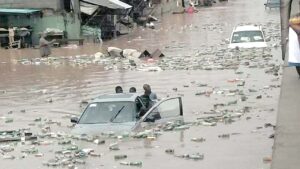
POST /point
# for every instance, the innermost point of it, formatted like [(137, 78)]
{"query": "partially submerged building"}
[(61, 18), (74, 19), (105, 15)]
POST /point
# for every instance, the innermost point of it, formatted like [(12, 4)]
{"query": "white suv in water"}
[(248, 36)]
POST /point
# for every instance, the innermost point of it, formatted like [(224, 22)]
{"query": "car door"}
[(167, 110)]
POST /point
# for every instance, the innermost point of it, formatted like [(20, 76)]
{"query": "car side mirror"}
[(150, 119), (74, 120)]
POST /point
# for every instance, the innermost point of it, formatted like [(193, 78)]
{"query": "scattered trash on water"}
[(10, 157), (196, 156), (228, 110), (136, 163), (97, 141), (170, 151), (267, 159), (9, 120), (119, 157), (224, 136), (114, 146), (199, 140)]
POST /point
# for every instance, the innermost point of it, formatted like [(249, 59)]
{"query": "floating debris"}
[(93, 154), (252, 90), (224, 136), (184, 127), (202, 85), (137, 163), (6, 148), (170, 151), (39, 155), (9, 120), (38, 119), (9, 157), (267, 159), (119, 157), (97, 141), (232, 103), (114, 146), (243, 98), (64, 142), (199, 140), (196, 156), (32, 150)]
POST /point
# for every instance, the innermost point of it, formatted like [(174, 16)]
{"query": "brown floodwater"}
[(28, 87)]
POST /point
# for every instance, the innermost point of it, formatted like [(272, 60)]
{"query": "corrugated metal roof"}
[(88, 8), (113, 4), (17, 11)]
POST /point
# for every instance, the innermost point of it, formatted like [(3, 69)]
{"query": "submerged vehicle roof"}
[(119, 97), (247, 28)]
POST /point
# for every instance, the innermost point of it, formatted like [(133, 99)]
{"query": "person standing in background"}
[(11, 36), (45, 49)]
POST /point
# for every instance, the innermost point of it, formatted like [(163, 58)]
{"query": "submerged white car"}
[(125, 113), (248, 36)]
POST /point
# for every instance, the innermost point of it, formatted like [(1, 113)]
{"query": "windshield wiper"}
[(114, 117)]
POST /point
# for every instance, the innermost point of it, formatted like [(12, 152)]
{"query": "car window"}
[(166, 109), (247, 36), (106, 111)]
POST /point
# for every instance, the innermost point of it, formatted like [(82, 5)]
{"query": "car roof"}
[(247, 28), (119, 97)]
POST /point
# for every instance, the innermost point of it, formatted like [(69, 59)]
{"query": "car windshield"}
[(106, 112), (247, 36)]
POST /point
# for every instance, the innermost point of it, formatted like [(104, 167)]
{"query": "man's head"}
[(132, 90), (119, 89), (147, 88)]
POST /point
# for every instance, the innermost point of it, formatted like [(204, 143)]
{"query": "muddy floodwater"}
[(40, 95)]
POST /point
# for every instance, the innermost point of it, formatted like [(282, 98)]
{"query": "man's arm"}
[(154, 96)]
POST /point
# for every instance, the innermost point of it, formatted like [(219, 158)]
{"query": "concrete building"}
[(38, 4), (54, 14)]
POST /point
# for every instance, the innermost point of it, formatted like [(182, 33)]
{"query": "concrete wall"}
[(295, 7), (69, 23), (166, 6), (52, 4)]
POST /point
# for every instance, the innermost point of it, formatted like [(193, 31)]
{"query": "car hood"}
[(248, 45), (98, 129)]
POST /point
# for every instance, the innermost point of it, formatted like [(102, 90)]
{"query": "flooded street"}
[(197, 63)]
